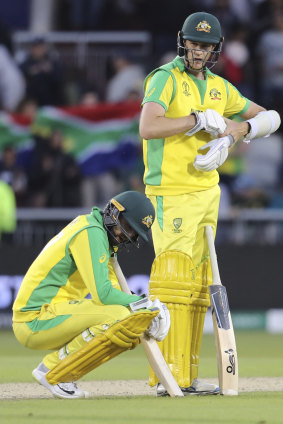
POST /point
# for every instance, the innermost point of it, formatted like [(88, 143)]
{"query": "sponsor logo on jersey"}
[(215, 94), (150, 92), (147, 221), (203, 26), (186, 88), (102, 258), (177, 222)]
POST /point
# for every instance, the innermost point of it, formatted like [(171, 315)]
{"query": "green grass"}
[(260, 354), (259, 408)]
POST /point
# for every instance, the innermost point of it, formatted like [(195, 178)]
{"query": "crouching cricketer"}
[(51, 311)]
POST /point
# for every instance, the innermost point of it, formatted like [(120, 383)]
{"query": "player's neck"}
[(197, 74)]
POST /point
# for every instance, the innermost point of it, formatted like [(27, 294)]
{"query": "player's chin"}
[(197, 63)]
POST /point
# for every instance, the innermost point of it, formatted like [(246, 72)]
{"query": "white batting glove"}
[(210, 121), (216, 155), (160, 325)]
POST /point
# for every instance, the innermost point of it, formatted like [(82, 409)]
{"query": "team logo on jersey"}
[(177, 222), (102, 258), (147, 221), (215, 94), (186, 88), (203, 26), (150, 92)]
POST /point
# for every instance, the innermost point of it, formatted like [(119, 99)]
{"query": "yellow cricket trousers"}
[(180, 222), (57, 324)]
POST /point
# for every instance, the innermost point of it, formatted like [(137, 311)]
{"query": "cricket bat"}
[(151, 348), (227, 360)]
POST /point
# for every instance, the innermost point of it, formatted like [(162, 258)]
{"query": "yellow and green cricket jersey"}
[(169, 161), (74, 263)]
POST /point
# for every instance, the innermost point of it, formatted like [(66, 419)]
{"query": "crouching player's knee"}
[(120, 336)]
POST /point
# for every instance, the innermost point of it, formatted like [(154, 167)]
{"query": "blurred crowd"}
[(37, 76)]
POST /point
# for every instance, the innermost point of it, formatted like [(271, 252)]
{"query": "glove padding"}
[(160, 325), (216, 155), (209, 121)]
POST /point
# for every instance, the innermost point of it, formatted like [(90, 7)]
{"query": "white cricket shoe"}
[(60, 390), (198, 387)]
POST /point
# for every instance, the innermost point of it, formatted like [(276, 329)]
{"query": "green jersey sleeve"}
[(236, 103), (159, 88), (90, 251)]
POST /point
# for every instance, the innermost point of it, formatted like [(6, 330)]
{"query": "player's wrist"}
[(246, 127), (192, 121)]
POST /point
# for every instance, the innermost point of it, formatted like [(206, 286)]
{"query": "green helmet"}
[(135, 207), (202, 27)]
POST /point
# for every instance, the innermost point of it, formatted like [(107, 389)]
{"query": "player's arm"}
[(89, 250), (154, 124), (160, 90), (240, 129)]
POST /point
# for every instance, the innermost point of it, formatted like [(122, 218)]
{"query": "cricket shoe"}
[(60, 390), (198, 387)]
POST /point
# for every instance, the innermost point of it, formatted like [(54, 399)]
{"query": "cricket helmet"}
[(137, 210), (204, 28)]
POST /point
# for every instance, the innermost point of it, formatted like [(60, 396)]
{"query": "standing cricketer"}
[(187, 135), (52, 313)]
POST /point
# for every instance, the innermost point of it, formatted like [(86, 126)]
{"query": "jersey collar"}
[(179, 62)]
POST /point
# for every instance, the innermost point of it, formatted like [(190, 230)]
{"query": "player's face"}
[(120, 235), (198, 53)]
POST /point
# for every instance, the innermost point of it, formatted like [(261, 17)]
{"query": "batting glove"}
[(160, 325), (210, 121), (216, 155)]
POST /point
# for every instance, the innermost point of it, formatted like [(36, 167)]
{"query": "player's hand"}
[(210, 121), (237, 129), (160, 325), (216, 155)]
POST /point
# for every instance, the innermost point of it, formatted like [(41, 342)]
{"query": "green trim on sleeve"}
[(246, 107), (159, 78), (227, 87), (159, 212)]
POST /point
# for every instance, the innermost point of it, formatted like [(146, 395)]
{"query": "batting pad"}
[(184, 289), (121, 336)]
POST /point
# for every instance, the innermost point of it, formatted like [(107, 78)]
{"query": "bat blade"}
[(227, 360)]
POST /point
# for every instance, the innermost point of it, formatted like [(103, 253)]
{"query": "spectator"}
[(224, 11), (55, 177), (7, 211), (89, 98), (264, 12), (234, 63), (28, 109), (12, 83), (43, 74), (13, 175), (257, 186), (270, 49), (127, 81)]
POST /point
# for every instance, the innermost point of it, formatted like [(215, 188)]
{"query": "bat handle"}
[(122, 280), (212, 253)]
